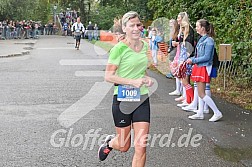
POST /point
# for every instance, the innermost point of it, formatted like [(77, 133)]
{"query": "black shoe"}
[(76, 46), (104, 149)]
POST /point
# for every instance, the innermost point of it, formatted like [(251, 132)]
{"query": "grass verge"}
[(104, 45), (232, 93), (233, 154)]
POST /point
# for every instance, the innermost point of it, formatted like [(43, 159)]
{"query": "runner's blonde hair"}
[(129, 15)]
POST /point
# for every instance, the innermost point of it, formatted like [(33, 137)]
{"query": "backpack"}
[(216, 62)]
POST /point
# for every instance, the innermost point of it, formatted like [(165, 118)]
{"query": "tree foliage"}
[(106, 10), (105, 19), (38, 10)]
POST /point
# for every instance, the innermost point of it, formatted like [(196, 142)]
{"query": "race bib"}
[(128, 93)]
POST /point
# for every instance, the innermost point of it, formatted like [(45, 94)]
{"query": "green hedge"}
[(232, 20)]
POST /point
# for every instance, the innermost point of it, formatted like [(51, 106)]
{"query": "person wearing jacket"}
[(154, 46), (201, 71)]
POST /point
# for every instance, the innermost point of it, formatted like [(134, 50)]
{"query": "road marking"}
[(65, 48), (84, 62), (86, 104), (90, 73)]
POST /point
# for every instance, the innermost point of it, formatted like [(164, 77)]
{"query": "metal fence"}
[(232, 73)]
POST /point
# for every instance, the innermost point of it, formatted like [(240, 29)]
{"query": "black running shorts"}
[(125, 113), (78, 38)]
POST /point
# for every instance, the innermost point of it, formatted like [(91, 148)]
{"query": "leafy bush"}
[(105, 19), (232, 22), (38, 10)]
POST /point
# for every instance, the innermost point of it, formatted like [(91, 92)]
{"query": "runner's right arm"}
[(73, 27)]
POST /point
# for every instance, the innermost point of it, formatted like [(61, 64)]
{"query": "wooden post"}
[(225, 55)]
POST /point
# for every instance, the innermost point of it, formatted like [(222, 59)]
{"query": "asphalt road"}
[(54, 100)]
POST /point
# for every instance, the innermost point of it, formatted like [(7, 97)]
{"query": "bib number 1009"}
[(128, 93)]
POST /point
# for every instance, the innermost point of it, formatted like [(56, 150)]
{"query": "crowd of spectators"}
[(26, 29), (68, 18), (10, 29)]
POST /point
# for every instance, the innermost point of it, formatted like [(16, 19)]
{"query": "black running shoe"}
[(104, 149)]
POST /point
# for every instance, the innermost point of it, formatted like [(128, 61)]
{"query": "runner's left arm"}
[(82, 28), (148, 81)]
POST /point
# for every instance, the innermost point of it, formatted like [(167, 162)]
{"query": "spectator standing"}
[(96, 32), (186, 50), (172, 50), (18, 29), (90, 30), (202, 68), (65, 27), (1, 29), (32, 29), (46, 29), (154, 46), (4, 25), (149, 32), (51, 28), (145, 32), (182, 16)]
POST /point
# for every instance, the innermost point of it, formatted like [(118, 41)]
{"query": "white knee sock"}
[(208, 92), (178, 85), (211, 104), (201, 107), (184, 92)]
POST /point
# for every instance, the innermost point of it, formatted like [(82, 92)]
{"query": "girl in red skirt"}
[(202, 68)]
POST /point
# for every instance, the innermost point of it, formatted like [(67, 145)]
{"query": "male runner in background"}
[(77, 29)]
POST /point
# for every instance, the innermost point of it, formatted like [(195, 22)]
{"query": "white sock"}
[(201, 107), (178, 85), (195, 97), (181, 87), (184, 92), (211, 104), (208, 92)]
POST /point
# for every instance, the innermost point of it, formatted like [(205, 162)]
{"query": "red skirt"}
[(199, 74)]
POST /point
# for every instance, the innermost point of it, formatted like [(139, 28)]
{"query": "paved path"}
[(16, 47), (55, 78)]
